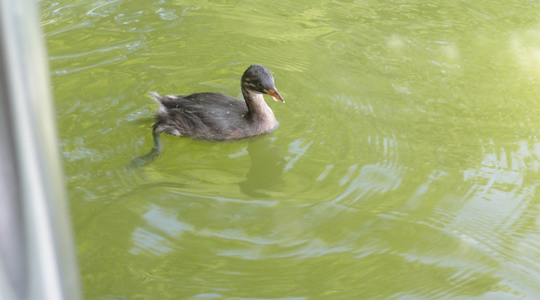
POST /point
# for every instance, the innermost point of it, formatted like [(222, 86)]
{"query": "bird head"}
[(258, 79)]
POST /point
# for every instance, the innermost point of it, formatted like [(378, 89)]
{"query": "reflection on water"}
[(370, 179), (265, 171), (405, 164), (158, 220)]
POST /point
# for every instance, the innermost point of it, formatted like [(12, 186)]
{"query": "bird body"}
[(210, 116)]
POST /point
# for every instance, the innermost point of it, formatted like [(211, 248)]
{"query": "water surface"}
[(405, 165)]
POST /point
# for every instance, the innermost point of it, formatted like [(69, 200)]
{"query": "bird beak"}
[(274, 93)]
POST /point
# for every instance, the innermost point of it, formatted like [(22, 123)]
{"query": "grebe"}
[(217, 116)]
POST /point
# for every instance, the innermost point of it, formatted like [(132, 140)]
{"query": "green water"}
[(405, 164)]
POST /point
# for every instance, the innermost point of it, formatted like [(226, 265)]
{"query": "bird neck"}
[(259, 112), (258, 109)]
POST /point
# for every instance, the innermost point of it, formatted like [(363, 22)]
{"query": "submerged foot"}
[(151, 156), (145, 159)]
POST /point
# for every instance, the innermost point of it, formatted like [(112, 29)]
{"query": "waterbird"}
[(216, 116)]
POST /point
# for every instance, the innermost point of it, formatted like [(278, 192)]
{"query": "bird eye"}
[(259, 85)]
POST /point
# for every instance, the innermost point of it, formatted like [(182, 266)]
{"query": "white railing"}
[(37, 254)]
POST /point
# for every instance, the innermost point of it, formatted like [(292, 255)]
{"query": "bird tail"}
[(156, 97)]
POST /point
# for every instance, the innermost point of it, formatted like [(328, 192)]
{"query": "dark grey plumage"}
[(202, 115)]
